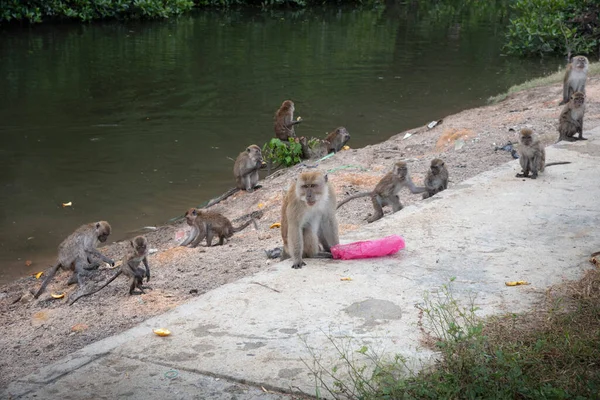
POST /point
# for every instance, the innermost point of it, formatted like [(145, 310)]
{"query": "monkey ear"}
[(97, 225), (194, 212), (248, 150)]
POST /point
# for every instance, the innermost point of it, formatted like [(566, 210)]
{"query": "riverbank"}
[(39, 332)]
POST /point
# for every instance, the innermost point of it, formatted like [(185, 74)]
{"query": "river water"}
[(135, 122)]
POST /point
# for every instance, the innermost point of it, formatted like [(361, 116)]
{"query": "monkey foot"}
[(299, 265)]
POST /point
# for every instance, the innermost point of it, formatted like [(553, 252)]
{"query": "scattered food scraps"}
[(299, 118), (275, 225), (346, 278), (69, 204), (38, 274), (162, 332), (346, 147), (28, 263), (516, 283), (79, 327), (57, 295), (261, 205)]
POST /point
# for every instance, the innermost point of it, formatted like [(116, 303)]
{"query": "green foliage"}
[(35, 11), (554, 26), (554, 356), (284, 153)]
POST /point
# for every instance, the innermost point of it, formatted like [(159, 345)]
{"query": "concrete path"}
[(267, 329)]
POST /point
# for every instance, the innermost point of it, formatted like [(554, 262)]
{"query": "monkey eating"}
[(575, 77), (436, 179), (77, 253), (308, 219), (206, 224), (386, 191), (138, 253), (284, 121), (570, 121), (532, 155), (246, 166), (333, 143)]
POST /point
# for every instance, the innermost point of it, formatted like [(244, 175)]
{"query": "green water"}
[(135, 122)]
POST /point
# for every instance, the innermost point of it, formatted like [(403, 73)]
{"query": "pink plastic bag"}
[(368, 248)]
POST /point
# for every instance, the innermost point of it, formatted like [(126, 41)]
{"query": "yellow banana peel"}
[(57, 295), (275, 225), (162, 332), (516, 283)]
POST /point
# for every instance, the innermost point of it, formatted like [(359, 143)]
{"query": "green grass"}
[(551, 79), (549, 353)]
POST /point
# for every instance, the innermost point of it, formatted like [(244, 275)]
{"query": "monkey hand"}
[(148, 277), (298, 264), (111, 262)]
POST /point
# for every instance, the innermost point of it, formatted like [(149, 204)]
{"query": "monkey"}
[(308, 219), (333, 143), (199, 226), (138, 253), (575, 77), (77, 251), (386, 191), (246, 168), (214, 223), (284, 121), (532, 155), (436, 179), (570, 121)]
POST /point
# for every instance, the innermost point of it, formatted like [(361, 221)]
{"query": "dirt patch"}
[(38, 332)]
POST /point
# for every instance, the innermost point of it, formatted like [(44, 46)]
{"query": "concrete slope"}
[(265, 329)]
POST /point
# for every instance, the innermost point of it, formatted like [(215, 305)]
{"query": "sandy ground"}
[(37, 332)]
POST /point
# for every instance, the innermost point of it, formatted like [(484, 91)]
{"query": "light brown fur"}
[(386, 191), (308, 218), (210, 223), (575, 77), (246, 166), (78, 251), (284, 121), (570, 121), (436, 179)]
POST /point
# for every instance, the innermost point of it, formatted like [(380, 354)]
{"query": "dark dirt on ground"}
[(38, 332)]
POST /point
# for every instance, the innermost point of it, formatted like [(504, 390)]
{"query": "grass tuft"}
[(551, 79)]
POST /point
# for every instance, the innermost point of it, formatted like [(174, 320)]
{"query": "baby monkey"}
[(436, 179), (137, 253), (570, 121), (532, 155), (206, 224), (386, 191)]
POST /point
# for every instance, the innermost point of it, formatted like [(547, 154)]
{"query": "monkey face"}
[(102, 238), (526, 140), (400, 169), (578, 99), (580, 62), (436, 167), (190, 216), (102, 231), (140, 246)]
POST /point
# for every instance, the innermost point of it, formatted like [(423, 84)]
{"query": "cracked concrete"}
[(245, 341)]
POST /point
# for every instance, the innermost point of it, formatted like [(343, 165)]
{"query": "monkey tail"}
[(244, 225), (355, 196), (97, 290), (558, 163), (51, 274)]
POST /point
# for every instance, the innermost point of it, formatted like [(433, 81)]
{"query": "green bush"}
[(286, 154), (554, 26), (35, 11)]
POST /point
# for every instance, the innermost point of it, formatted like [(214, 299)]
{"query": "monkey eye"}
[(304, 186)]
